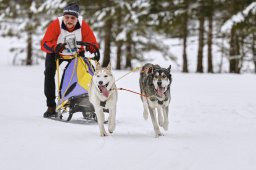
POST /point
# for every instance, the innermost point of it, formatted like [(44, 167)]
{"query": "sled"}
[(74, 85)]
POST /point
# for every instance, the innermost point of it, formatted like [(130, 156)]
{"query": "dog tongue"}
[(104, 90), (160, 91)]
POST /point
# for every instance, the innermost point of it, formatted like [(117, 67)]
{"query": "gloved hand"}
[(81, 53), (59, 48), (90, 48)]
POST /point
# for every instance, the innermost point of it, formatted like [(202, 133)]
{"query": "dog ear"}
[(109, 66), (169, 68), (98, 66), (150, 70), (170, 77)]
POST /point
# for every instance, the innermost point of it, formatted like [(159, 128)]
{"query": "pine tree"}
[(240, 31), (24, 20)]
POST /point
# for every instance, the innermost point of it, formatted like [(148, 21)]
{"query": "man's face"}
[(70, 21)]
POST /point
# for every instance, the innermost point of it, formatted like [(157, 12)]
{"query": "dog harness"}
[(158, 101), (103, 104)]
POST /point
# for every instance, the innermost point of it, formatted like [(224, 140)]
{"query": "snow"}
[(239, 17), (212, 126), (121, 35), (33, 7)]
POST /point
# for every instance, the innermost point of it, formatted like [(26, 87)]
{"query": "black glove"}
[(90, 48), (59, 48), (81, 53)]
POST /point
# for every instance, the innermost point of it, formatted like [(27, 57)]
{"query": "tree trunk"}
[(119, 43), (119, 55), (254, 50), (128, 51), (234, 52), (185, 34), (29, 49), (238, 59), (201, 40), (222, 53), (107, 41), (185, 60), (241, 60), (29, 43), (209, 43)]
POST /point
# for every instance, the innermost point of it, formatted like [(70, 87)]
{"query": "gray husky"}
[(103, 96), (155, 85)]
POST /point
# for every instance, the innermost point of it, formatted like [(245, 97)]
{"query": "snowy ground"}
[(212, 127)]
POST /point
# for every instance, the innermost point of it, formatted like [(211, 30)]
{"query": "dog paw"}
[(159, 134), (111, 128), (102, 134)]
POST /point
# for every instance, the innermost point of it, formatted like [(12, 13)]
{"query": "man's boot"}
[(50, 112)]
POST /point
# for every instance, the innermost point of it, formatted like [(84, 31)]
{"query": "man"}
[(52, 43)]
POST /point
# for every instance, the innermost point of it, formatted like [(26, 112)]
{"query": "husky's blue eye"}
[(164, 76)]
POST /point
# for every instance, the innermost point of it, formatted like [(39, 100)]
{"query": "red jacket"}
[(49, 41)]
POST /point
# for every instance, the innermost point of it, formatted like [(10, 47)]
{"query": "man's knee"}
[(50, 65)]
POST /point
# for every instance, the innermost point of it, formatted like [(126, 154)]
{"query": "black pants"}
[(49, 82)]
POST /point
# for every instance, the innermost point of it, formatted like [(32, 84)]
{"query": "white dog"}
[(102, 96)]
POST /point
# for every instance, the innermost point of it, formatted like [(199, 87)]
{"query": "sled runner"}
[(74, 84)]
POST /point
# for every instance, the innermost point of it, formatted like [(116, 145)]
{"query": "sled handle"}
[(97, 53), (67, 57)]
